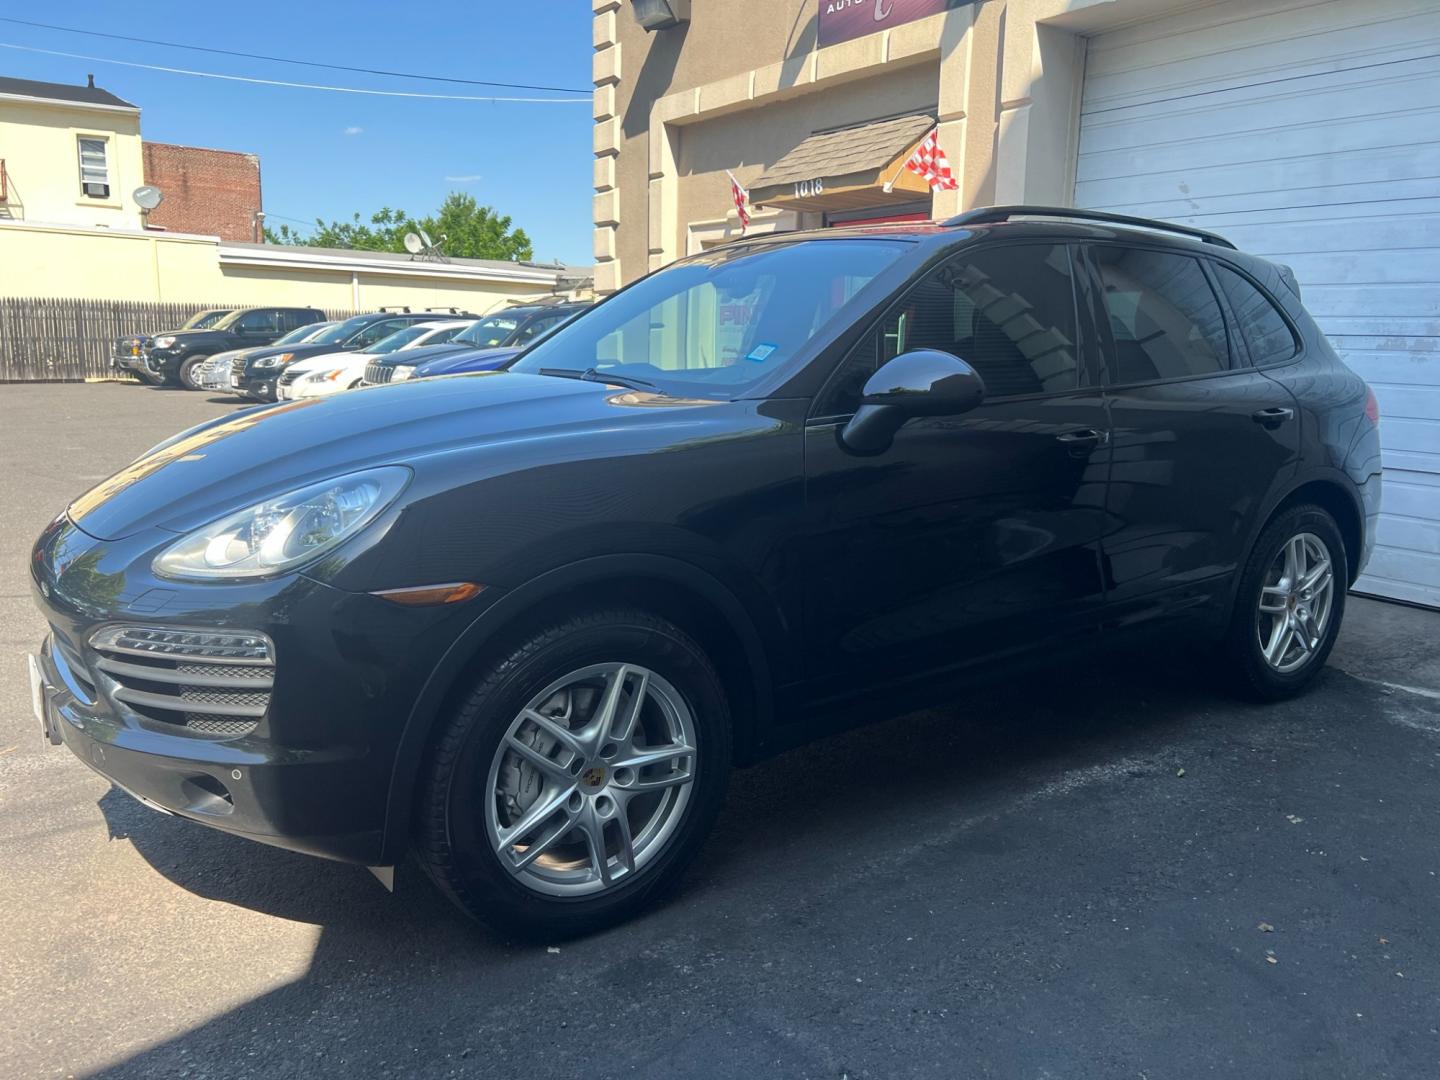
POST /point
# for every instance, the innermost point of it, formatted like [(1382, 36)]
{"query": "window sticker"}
[(761, 353)]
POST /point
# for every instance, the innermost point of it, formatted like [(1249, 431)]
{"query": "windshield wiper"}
[(592, 374)]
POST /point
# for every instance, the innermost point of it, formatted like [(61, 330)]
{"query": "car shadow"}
[(845, 801)]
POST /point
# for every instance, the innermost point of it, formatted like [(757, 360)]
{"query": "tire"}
[(189, 372), (1265, 580), (472, 789)]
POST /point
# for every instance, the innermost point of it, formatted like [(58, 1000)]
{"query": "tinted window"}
[(1163, 315), (1264, 329), (258, 322), (1008, 312)]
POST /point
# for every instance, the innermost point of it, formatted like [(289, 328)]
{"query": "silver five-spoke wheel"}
[(1295, 602), (591, 780)]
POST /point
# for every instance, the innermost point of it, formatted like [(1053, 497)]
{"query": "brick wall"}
[(214, 192)]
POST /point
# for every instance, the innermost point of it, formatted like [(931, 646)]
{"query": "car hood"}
[(472, 360), (190, 335), (234, 462), (421, 353), (299, 352)]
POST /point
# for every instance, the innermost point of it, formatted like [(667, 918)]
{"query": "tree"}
[(471, 231)]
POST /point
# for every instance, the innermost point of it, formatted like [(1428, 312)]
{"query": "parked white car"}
[(214, 374), (317, 376)]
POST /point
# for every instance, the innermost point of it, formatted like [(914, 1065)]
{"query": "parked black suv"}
[(175, 356), (255, 374), (517, 326), (129, 351), (524, 622)]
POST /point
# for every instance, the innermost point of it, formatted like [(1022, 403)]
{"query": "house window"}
[(94, 169)]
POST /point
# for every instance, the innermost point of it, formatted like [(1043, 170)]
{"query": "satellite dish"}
[(413, 244), (425, 239), (147, 196)]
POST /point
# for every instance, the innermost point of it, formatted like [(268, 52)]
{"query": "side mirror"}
[(925, 382)]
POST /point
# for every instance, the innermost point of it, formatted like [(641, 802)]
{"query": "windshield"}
[(226, 320), (489, 332), (398, 340), (716, 324), (301, 333), (342, 331), (203, 320)]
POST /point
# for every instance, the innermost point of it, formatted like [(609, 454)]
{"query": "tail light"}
[(1372, 407)]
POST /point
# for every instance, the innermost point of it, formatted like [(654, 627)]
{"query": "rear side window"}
[(1264, 329), (1009, 312), (1164, 317)]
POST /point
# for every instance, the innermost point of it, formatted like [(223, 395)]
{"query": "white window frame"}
[(81, 138)]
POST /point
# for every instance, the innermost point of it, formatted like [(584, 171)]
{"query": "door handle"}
[(1273, 418), (1082, 441)]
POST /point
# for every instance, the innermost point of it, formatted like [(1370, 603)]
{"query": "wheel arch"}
[(1333, 497), (1333, 492), (687, 595)]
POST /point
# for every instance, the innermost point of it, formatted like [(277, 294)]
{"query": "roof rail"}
[(986, 215)]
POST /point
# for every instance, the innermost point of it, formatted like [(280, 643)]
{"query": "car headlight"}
[(282, 533), (162, 342), (274, 361), (323, 376), (402, 372)]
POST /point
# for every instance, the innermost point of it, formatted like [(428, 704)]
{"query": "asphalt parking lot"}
[(1068, 879)]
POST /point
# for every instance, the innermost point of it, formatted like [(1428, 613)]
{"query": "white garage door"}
[(1308, 133)]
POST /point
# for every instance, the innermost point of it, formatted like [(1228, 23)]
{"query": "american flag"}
[(931, 165), (741, 197)]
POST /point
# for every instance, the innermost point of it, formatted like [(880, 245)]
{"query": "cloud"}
[(353, 130), (468, 179)]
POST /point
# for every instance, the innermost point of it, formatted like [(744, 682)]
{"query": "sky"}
[(325, 154)]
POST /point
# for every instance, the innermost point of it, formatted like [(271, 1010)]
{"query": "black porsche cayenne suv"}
[(524, 623)]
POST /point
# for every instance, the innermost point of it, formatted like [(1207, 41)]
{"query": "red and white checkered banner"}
[(930, 164), (742, 199)]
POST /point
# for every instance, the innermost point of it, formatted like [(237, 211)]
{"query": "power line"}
[(289, 60), (294, 85)]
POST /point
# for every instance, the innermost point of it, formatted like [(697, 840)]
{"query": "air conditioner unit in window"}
[(97, 191)]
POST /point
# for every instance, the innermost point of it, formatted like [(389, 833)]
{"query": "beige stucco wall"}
[(734, 141), (736, 87), (42, 163), (57, 261)]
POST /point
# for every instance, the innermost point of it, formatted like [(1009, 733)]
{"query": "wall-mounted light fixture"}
[(661, 14)]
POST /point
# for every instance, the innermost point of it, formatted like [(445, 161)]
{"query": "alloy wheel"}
[(1295, 603), (591, 780)]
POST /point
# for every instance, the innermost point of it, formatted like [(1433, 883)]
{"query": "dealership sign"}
[(842, 20)]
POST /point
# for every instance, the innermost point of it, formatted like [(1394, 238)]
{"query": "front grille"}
[(237, 366), (378, 373), (207, 682), (129, 348), (289, 377)]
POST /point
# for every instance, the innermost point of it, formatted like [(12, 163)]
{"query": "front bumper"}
[(314, 773), (302, 389), (259, 385), (260, 792)]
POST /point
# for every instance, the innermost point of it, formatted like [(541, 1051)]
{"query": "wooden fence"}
[(47, 339)]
